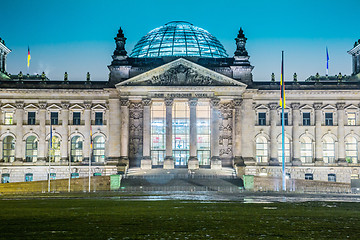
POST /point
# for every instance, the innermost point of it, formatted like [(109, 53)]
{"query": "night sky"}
[(77, 36)]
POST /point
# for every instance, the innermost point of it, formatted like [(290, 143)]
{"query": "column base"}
[(274, 162), (146, 163), (342, 162), (296, 162), (168, 163), (215, 163), (123, 161), (249, 161), (238, 161), (319, 162), (193, 163), (112, 161)]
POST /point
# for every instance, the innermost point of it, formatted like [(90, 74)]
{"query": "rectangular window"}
[(75, 175), (306, 119), (98, 118), (31, 118), (262, 119), (54, 118), (5, 178), (9, 118), (309, 176), (331, 177), (286, 119), (351, 119), (76, 118), (52, 176), (158, 130), (329, 119), (28, 177)]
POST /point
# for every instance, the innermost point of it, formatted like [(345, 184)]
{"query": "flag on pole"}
[(91, 140), (327, 61), (282, 83), (28, 58)]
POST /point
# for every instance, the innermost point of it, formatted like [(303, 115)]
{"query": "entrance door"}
[(180, 157)]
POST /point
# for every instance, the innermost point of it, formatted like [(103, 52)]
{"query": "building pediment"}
[(181, 72)]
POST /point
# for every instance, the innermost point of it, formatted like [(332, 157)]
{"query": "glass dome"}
[(178, 38)]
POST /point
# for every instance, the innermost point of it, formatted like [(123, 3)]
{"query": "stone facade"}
[(112, 122)]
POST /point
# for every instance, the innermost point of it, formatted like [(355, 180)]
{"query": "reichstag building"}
[(178, 100)]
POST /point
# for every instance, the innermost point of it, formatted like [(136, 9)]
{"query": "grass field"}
[(114, 218)]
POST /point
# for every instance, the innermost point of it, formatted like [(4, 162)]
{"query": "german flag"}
[(29, 57), (282, 82)]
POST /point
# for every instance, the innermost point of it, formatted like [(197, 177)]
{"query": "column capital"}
[(19, 104), (169, 101), (124, 102), (193, 102), (215, 102), (237, 102), (42, 105), (295, 106), (340, 106), (318, 105), (65, 105), (273, 106), (146, 102), (87, 105)]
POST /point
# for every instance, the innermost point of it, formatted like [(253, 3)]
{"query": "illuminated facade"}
[(179, 101)]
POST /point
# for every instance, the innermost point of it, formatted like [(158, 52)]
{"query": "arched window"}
[(99, 149), (351, 150), (261, 150), (31, 149), (76, 152), (54, 149), (329, 150), (306, 153), (9, 149), (287, 149)]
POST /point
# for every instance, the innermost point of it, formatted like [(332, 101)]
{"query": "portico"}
[(181, 120)]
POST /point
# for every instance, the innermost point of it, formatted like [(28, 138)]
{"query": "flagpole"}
[(90, 156), (69, 174), (50, 155), (283, 122)]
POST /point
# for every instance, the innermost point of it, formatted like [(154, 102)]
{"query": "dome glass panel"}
[(178, 38)]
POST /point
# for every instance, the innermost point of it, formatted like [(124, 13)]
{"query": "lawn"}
[(114, 218)]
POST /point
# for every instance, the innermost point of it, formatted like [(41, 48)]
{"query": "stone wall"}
[(98, 183), (299, 186)]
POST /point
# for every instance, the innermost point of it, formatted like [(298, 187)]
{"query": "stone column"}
[(341, 134), (318, 143), (169, 161), (193, 162), (238, 160), (295, 134), (19, 156), (124, 136), (215, 162), (87, 120), (65, 132), (146, 159), (42, 132), (274, 161), (247, 135), (114, 131)]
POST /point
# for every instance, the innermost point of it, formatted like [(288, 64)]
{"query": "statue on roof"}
[(120, 41), (240, 44)]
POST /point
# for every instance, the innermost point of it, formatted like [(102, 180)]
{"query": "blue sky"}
[(77, 36)]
